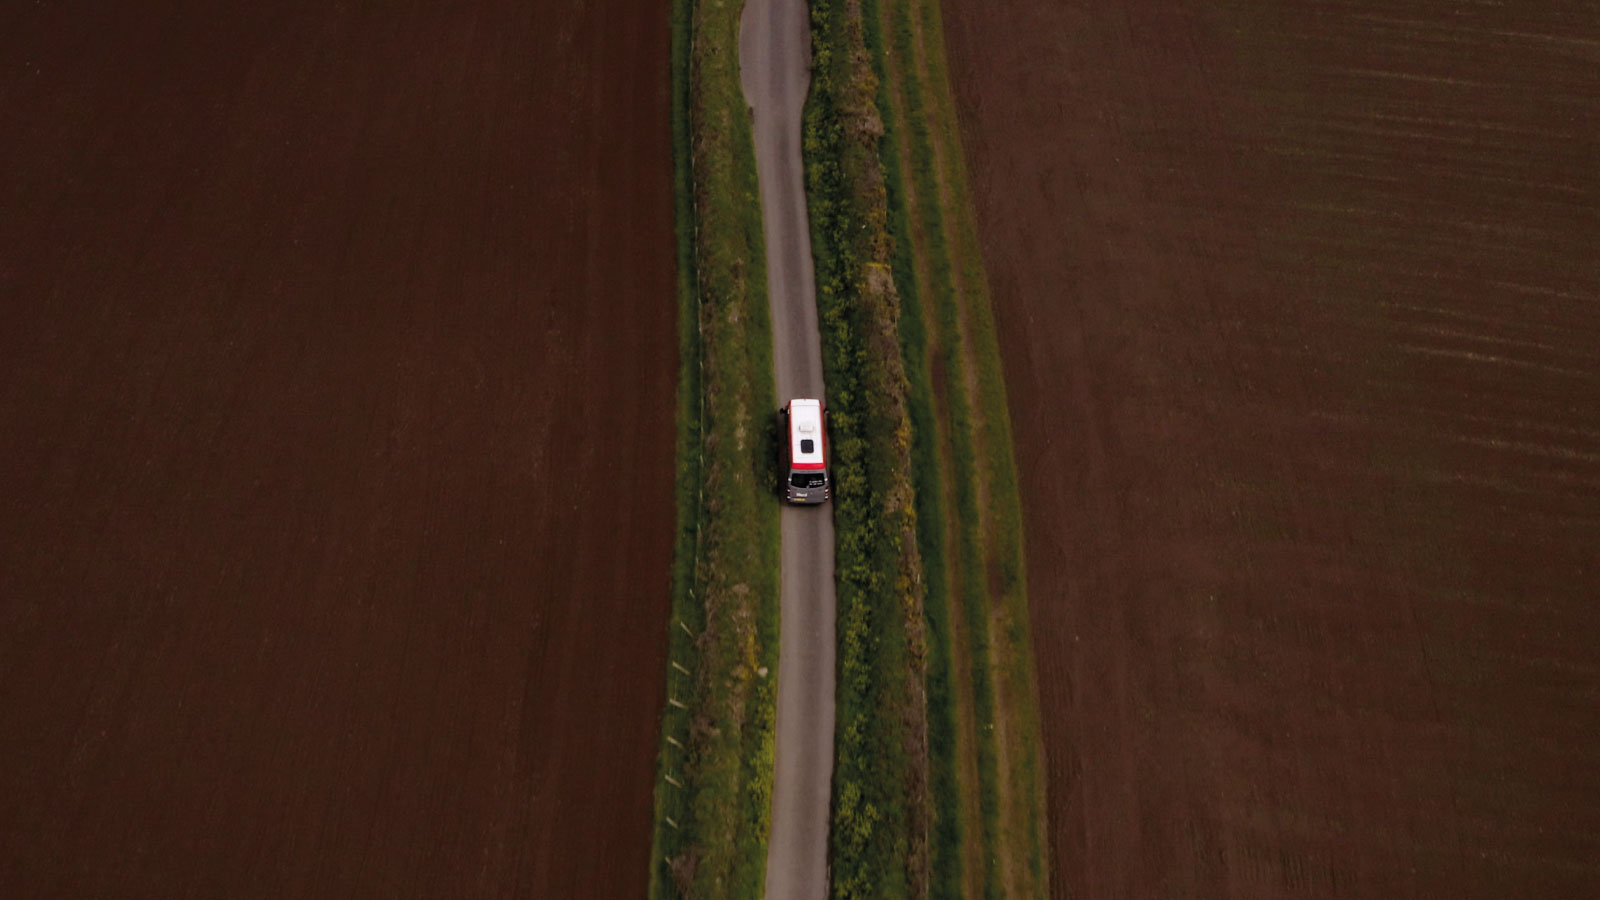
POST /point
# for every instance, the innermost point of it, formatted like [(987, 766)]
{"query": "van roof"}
[(805, 428)]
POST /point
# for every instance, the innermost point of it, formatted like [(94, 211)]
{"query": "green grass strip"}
[(945, 856), (962, 450), (978, 452), (1005, 545), (713, 798)]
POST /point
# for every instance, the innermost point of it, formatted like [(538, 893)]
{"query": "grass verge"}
[(1021, 744), (713, 797), (959, 452), (946, 839)]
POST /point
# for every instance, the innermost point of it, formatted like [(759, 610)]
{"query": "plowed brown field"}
[(1300, 305), (337, 357)]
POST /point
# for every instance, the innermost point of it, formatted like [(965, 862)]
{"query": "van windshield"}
[(808, 479)]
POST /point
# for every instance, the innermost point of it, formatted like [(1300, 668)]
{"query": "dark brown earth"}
[(1300, 305), (337, 357)]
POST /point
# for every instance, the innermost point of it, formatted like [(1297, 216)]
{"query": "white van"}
[(805, 452)]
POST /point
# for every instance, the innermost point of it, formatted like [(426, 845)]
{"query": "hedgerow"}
[(880, 813)]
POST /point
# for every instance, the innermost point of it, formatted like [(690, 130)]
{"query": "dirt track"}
[(336, 374), (1300, 306)]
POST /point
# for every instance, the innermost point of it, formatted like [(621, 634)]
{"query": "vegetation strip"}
[(961, 452), (950, 863), (713, 800), (986, 790), (1020, 742), (879, 841), (973, 700)]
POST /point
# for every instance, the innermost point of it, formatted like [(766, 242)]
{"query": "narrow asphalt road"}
[(775, 59)]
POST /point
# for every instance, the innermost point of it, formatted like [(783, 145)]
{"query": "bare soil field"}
[(337, 364), (1300, 305)]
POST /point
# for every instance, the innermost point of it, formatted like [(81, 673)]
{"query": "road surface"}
[(775, 50)]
